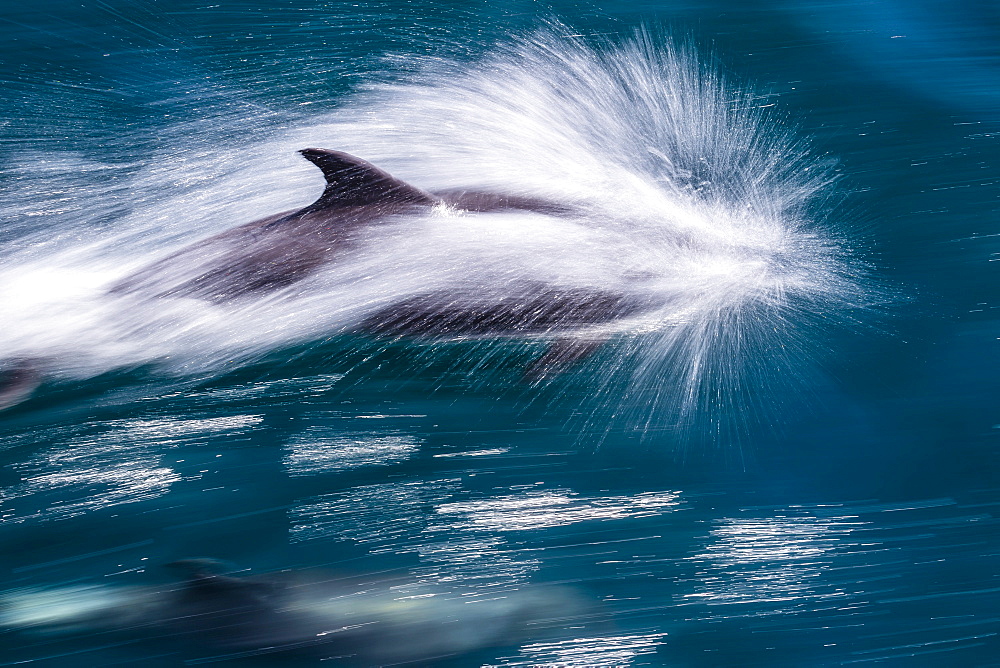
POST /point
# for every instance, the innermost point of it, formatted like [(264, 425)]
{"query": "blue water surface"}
[(845, 514)]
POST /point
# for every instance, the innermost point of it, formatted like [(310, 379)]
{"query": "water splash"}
[(690, 194)]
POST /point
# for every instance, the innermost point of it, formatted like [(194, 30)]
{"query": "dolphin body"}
[(280, 250), (361, 620)]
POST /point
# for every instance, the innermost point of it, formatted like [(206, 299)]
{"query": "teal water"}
[(829, 499)]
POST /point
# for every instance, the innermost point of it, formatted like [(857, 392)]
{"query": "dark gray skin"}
[(536, 309), (280, 250)]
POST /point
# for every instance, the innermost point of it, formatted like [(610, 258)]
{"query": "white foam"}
[(692, 196)]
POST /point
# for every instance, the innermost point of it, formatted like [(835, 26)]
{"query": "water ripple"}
[(105, 464), (546, 509), (607, 651), (318, 451), (771, 559)]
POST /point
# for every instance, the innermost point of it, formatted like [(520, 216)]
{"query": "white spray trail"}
[(690, 195)]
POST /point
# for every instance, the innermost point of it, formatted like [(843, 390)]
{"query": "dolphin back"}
[(351, 181)]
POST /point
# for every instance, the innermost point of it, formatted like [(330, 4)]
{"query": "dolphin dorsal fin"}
[(351, 181)]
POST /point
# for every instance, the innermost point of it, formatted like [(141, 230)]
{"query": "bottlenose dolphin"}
[(360, 619), (282, 249)]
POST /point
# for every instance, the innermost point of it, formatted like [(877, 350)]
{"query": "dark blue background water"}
[(860, 530)]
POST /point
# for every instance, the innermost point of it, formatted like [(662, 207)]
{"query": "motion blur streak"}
[(684, 193)]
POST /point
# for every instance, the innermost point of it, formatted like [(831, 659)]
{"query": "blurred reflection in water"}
[(584, 652), (359, 620), (771, 559), (322, 450), (99, 465)]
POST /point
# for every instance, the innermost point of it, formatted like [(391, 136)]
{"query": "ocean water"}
[(789, 458)]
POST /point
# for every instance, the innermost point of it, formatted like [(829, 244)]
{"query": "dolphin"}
[(282, 249), (277, 251), (360, 619)]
